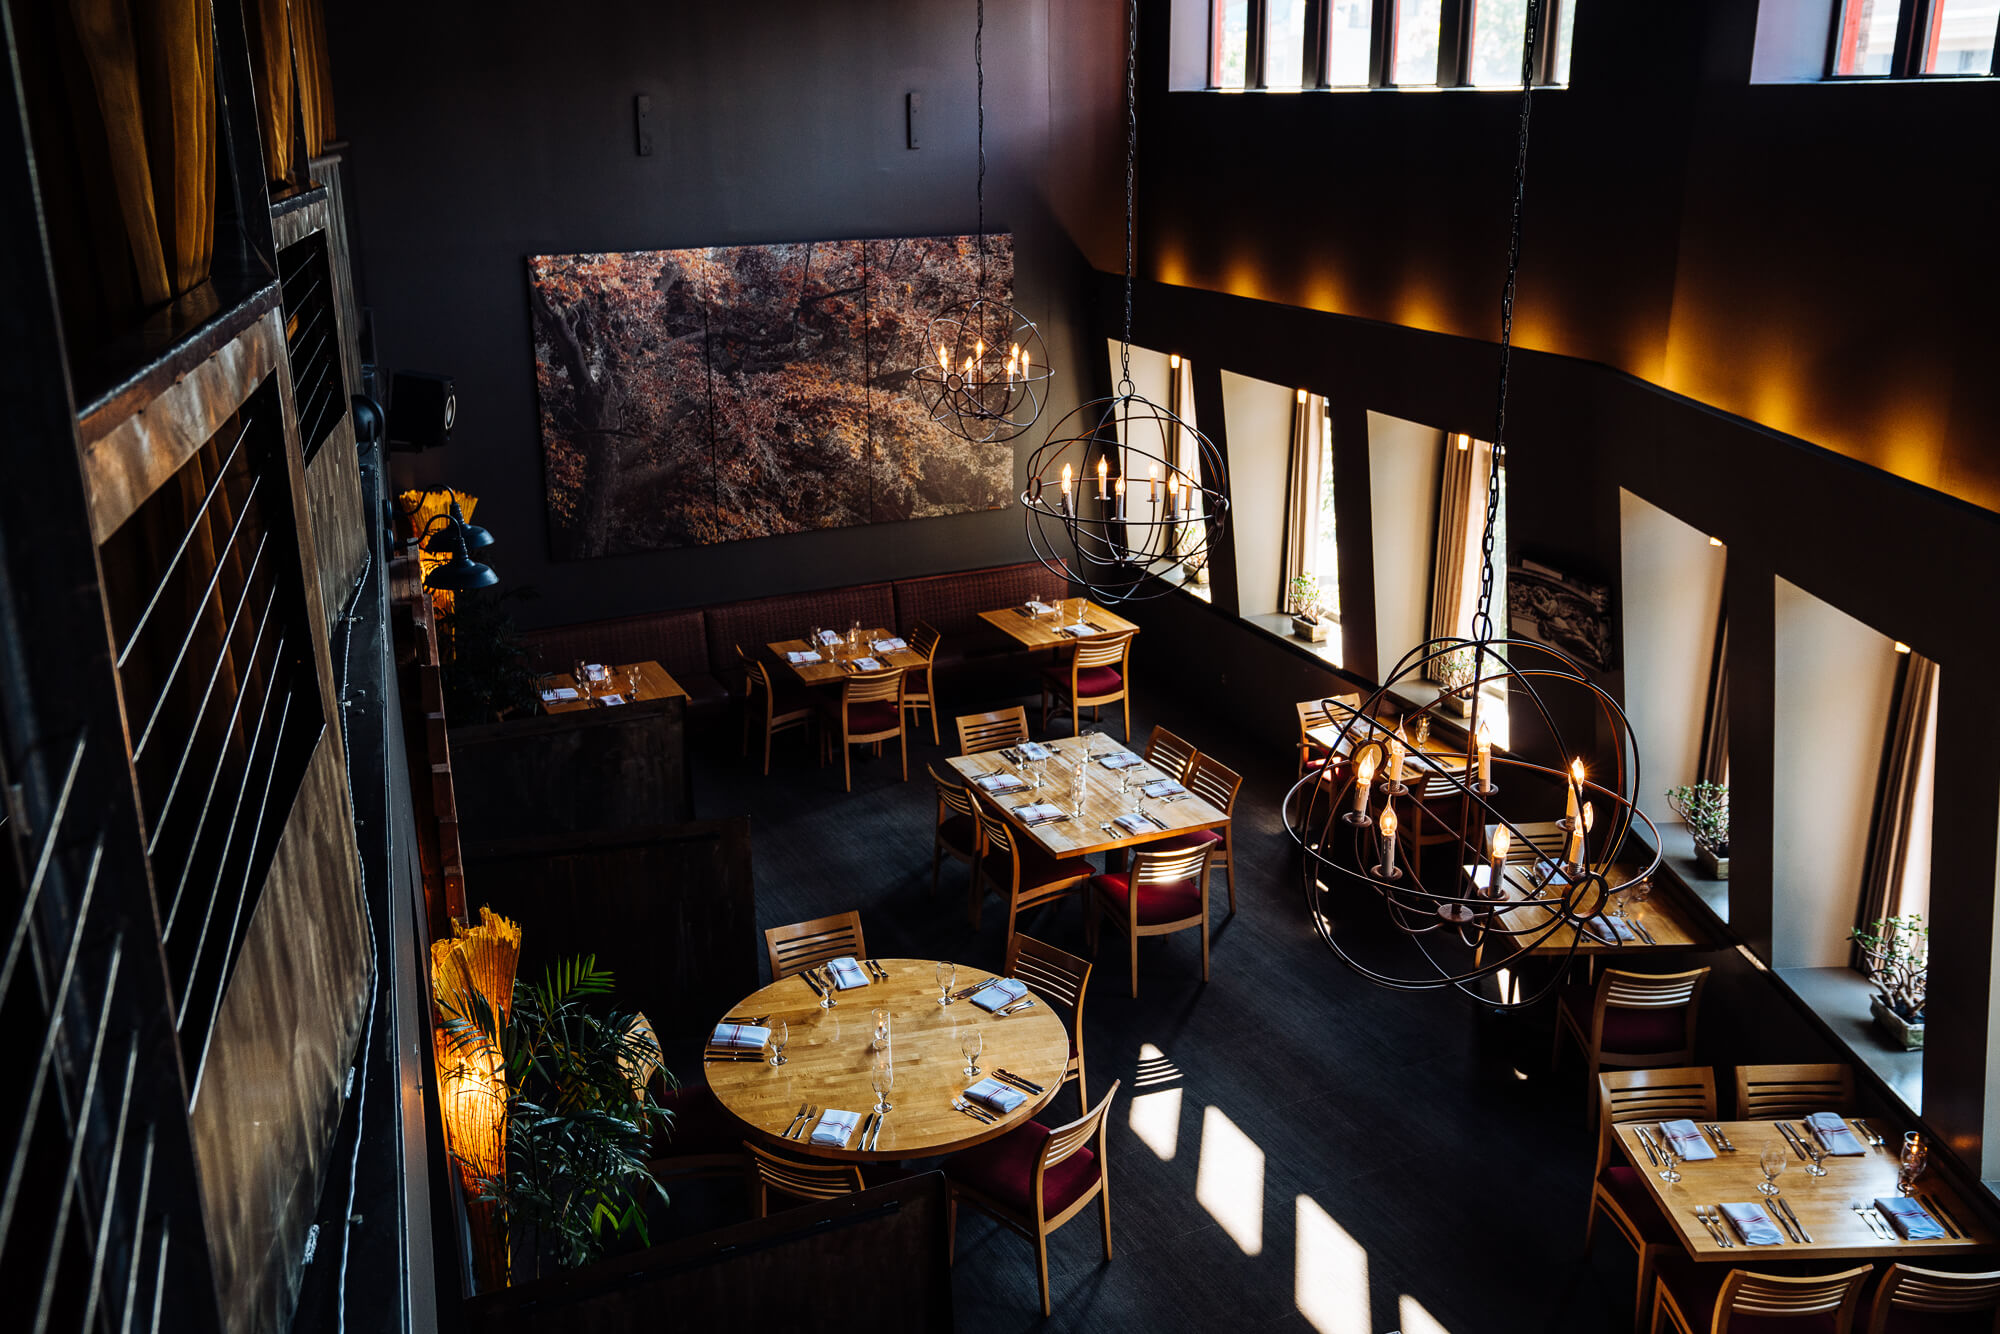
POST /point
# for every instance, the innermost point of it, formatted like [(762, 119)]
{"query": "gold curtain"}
[(1460, 522), (1902, 817), (269, 26), (1302, 494), (150, 68), (314, 74), (1715, 731)]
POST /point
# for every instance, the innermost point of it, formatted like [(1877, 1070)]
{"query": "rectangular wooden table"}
[(654, 683), (1663, 916), (1045, 631), (834, 658), (1077, 836), (1823, 1204), (1438, 754)]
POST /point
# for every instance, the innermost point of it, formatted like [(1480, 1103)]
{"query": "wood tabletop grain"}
[(654, 683), (828, 1057), (1082, 835), (1044, 631)]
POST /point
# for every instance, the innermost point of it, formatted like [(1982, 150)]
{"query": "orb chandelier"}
[(1492, 882), (986, 372), (1086, 516)]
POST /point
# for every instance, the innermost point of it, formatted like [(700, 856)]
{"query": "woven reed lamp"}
[(472, 977)]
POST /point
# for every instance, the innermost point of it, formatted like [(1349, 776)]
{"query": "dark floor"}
[(1307, 1151)]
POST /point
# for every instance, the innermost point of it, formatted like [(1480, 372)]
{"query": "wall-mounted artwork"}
[(1571, 614), (731, 392)]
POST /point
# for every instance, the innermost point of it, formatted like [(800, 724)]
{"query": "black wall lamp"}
[(455, 541)]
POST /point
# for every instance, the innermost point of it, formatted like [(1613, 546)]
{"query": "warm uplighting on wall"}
[(1715, 541), (1174, 361), (1464, 441), (1901, 647)]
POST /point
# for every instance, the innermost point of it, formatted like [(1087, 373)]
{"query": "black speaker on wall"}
[(422, 409)]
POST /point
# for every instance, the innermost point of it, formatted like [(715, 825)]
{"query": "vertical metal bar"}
[(1318, 38), (78, 1138), (110, 1202), (1912, 24), (1546, 61), (42, 860), (1456, 20), (1256, 32), (137, 1252), (160, 1273), (1383, 18)]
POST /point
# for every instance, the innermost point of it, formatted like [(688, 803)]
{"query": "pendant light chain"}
[(979, 77), (1131, 168), (1482, 620)]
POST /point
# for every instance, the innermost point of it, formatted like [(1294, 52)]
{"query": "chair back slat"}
[(999, 834), (1933, 1292), (1064, 1141), (924, 640), (1647, 991), (1215, 783), (954, 795), (981, 732), (1170, 754), (795, 948), (807, 1180), (1168, 867), (1106, 652), (1773, 1092), (873, 687), (1750, 1294), (755, 673), (1054, 974), (1664, 1094)]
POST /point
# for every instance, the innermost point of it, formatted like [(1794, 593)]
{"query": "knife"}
[(1777, 1211), (1646, 1143), (1795, 1220), (1931, 1203), (1644, 934), (1792, 1139), (876, 1137), (807, 978), (1013, 1078), (1720, 1138), (867, 1124)]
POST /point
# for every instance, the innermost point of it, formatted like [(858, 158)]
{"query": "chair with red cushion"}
[(1929, 1301), (1170, 754), (1217, 784), (784, 705), (869, 708), (957, 828), (1021, 873), (1061, 979), (1616, 1191), (1694, 1298), (1315, 714), (799, 1178), (1034, 1179), (1165, 891), (1635, 1021), (1098, 673)]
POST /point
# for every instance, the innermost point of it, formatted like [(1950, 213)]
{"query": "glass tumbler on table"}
[(1916, 1158), (972, 1042), (1772, 1160), (945, 974), (1669, 1171)]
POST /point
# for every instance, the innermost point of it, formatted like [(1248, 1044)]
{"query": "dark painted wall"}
[(485, 133)]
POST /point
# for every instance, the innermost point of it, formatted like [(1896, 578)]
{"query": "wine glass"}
[(972, 1042), (581, 670), (1915, 1160), (881, 1030), (1668, 1158), (632, 682), (946, 972), (882, 1078), (1816, 1155), (780, 1035), (1772, 1160), (814, 644), (854, 636)]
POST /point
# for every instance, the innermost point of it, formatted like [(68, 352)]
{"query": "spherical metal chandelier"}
[(1448, 842), (1086, 518), (985, 375)]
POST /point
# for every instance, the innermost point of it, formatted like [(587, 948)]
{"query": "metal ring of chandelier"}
[(1121, 491), (987, 379)]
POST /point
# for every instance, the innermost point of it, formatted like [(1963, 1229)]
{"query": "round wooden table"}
[(827, 1063)]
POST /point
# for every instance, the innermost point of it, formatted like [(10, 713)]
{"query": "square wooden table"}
[(834, 658), (1823, 1204), (1046, 631), (1663, 915), (1436, 754), (654, 683), (1077, 836)]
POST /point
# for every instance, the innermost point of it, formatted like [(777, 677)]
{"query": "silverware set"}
[(1789, 1220), (871, 1131), (1025, 1003), (1867, 1132), (1025, 1085), (1645, 1139), (974, 1111), (820, 989), (1721, 1140), (875, 970), (1718, 1227), (749, 1020), (801, 1121), (730, 1054), (1874, 1220)]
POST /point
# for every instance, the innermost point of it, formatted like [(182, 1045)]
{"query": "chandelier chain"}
[(1131, 169), (979, 98)]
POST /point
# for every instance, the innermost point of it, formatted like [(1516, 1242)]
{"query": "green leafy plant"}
[(1897, 951), (485, 664), (1705, 808), (581, 1125), (1454, 669), (1303, 597)]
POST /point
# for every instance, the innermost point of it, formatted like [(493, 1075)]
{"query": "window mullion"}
[(1318, 35), (1454, 43), (1913, 25), (1549, 28), (1257, 19), (1382, 43)]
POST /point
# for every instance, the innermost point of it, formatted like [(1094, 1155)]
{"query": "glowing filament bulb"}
[(1065, 481), (944, 359)]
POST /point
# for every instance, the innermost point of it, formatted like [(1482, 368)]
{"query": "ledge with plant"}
[(1896, 953), (1305, 603), (1704, 808)]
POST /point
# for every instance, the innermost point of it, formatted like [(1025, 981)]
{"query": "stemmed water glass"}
[(780, 1035), (946, 972), (1816, 1153), (632, 683), (582, 671), (1916, 1158), (881, 1030), (1669, 1172), (1772, 1160), (882, 1078), (972, 1042)]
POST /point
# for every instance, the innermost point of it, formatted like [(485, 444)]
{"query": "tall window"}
[(1293, 44), (1897, 880), (1915, 38)]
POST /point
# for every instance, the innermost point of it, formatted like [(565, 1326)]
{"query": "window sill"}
[(1419, 694), (1279, 626), (1677, 856), (1178, 578), (1426, 88), (1839, 997)]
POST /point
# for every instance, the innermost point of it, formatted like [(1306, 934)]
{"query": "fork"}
[(805, 1122), (803, 1107), (1015, 1008), (1868, 1217), (976, 1113), (1711, 1218)]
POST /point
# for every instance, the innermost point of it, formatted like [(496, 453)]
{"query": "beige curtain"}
[(1898, 871), (1460, 523), (1715, 729), (1302, 494), (314, 74)]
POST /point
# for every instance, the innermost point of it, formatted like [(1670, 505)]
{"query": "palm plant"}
[(581, 1123)]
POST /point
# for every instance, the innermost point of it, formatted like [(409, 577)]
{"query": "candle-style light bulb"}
[(1103, 469), (1364, 778), (1502, 841), (1153, 483), (1173, 494), (944, 359), (1485, 755), (1396, 758), (1575, 788), (1388, 839), (1065, 481), (1118, 489)]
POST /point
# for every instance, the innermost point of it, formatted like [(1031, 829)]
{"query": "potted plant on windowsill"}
[(1308, 619), (1897, 952), (1705, 809), (1455, 672), (1191, 549)]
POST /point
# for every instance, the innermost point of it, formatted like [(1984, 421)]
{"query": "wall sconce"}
[(454, 541)]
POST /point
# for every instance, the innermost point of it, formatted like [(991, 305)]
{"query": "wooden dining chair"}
[(804, 1179), (1631, 1020), (802, 945), (1314, 713), (958, 830), (1097, 673), (1694, 1299), (784, 707), (1910, 1300), (1062, 979), (868, 709), (1020, 872), (701, 1139), (1217, 784), (1617, 1192), (920, 683), (1166, 890), (1170, 754), (1773, 1092), (981, 732), (1034, 1179)]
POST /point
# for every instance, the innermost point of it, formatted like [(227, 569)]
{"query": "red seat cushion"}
[(960, 832), (1174, 901), (867, 717), (1004, 1169), (1182, 842), (1629, 1032), (1091, 682), (700, 1126), (1623, 1184)]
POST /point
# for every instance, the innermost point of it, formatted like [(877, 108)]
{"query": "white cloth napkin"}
[(1834, 1136), (999, 994), (1120, 759), (1909, 1218), (830, 636), (1753, 1224), (1001, 782), (888, 645), (1137, 822), (795, 657), (1609, 929), (597, 671), (1164, 787), (560, 692), (1079, 630), (1687, 1140), (847, 973), (1038, 813), (996, 1096), (1034, 750), (609, 700), (1040, 608), (739, 1037), (835, 1128), (868, 664)]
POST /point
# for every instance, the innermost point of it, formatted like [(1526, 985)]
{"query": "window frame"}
[(1455, 38), (1916, 24)]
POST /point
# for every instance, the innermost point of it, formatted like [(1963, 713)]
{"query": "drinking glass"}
[(813, 643), (1772, 1160), (1423, 728), (972, 1042), (632, 682), (881, 1030), (1816, 1154), (1668, 1159), (1911, 1166), (581, 670), (882, 1078), (780, 1035), (945, 974), (854, 635)]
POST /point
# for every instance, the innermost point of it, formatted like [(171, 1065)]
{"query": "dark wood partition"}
[(669, 908), (877, 1261)]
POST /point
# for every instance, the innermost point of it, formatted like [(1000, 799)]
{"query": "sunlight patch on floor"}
[(1330, 1273), (1229, 1183), (1415, 1319), (1156, 1102)]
